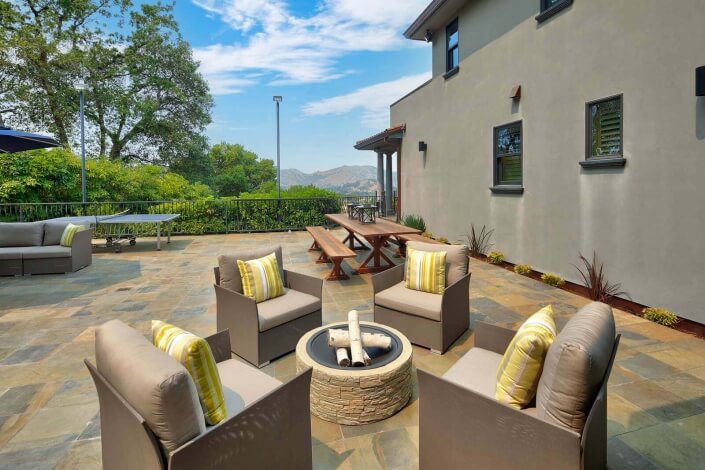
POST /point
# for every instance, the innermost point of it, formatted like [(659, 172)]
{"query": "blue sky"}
[(337, 63)]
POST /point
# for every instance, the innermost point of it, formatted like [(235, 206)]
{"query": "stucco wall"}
[(647, 220)]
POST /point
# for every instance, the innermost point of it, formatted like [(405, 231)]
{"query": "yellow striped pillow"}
[(520, 370), (425, 271), (196, 356), (69, 232), (260, 278)]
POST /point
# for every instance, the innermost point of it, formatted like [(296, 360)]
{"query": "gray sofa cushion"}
[(285, 308), (456, 260), (43, 252), (413, 302), (157, 386), (229, 272), (53, 232), (243, 385), (21, 234), (11, 253), (575, 367), (476, 370)]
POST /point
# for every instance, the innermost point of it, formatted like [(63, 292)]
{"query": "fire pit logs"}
[(352, 339)]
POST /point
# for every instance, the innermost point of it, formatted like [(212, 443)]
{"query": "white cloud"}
[(373, 100), (295, 49)]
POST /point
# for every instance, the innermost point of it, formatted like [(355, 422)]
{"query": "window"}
[(508, 151), (552, 7), (452, 53), (604, 125)]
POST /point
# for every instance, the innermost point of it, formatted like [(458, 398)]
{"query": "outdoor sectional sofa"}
[(34, 248)]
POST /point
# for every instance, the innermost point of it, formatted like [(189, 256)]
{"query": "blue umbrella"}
[(17, 141)]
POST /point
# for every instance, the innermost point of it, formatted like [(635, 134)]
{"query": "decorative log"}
[(366, 357), (342, 355), (341, 339), (358, 360)]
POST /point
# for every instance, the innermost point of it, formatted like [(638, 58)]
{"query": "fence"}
[(203, 216)]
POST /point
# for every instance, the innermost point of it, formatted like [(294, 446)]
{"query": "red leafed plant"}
[(594, 279)]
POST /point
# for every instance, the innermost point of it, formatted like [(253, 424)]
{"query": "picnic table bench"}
[(403, 239), (332, 251)]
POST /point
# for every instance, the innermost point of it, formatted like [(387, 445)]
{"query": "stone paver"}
[(48, 406)]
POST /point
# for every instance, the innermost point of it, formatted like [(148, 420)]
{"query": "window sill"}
[(507, 189), (602, 162), (554, 10), (451, 72)]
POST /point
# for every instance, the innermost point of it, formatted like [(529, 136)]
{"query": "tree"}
[(238, 170)]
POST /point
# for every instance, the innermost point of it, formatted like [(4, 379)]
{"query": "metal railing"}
[(202, 216)]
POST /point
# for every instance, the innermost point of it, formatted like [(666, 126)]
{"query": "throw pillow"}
[(520, 370), (196, 356), (260, 278), (69, 232), (425, 271)]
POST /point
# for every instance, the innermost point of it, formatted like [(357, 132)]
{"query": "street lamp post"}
[(81, 87), (278, 99)]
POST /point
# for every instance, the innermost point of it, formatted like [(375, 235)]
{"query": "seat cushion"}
[(43, 252), (288, 307), (243, 385), (11, 253), (53, 232), (425, 271), (456, 258), (575, 367), (260, 278), (519, 372), (194, 353), (230, 273), (158, 387), (21, 234), (413, 302), (476, 370)]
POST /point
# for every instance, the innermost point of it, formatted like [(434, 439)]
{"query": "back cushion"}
[(21, 234), (456, 259), (230, 273), (575, 367), (158, 387), (53, 232)]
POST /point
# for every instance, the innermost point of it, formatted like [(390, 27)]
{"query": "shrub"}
[(661, 316), (427, 235), (523, 269), (414, 221), (496, 257), (552, 279), (599, 288), (479, 243), (443, 240)]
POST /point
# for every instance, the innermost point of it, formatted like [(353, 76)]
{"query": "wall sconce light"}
[(516, 93), (422, 146), (700, 81), (428, 37)]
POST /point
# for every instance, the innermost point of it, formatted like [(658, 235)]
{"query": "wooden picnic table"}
[(376, 235)]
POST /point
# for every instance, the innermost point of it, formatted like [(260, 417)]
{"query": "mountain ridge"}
[(346, 179)]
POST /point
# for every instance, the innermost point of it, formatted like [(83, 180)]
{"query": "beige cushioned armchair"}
[(151, 418), (429, 320), (461, 423), (260, 332)]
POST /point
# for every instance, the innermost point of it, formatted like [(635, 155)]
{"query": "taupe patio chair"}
[(151, 418), (429, 320), (260, 332), (461, 424)]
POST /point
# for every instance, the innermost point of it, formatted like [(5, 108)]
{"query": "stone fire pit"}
[(359, 395)]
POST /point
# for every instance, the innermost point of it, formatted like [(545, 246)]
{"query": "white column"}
[(380, 173), (389, 191)]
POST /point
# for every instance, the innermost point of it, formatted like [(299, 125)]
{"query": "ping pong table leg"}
[(159, 236), (168, 232)]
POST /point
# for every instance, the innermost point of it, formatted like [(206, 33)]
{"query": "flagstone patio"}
[(48, 405)]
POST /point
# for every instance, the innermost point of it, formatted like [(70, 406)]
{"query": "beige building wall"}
[(646, 220)]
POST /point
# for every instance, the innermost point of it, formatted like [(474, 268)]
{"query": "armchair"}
[(151, 420), (461, 422), (429, 320), (260, 332)]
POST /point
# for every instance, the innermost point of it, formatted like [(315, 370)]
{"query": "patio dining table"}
[(376, 235)]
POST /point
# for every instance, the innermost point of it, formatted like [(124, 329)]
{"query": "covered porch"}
[(385, 144)]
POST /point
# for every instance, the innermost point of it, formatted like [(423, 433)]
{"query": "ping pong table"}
[(116, 234)]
